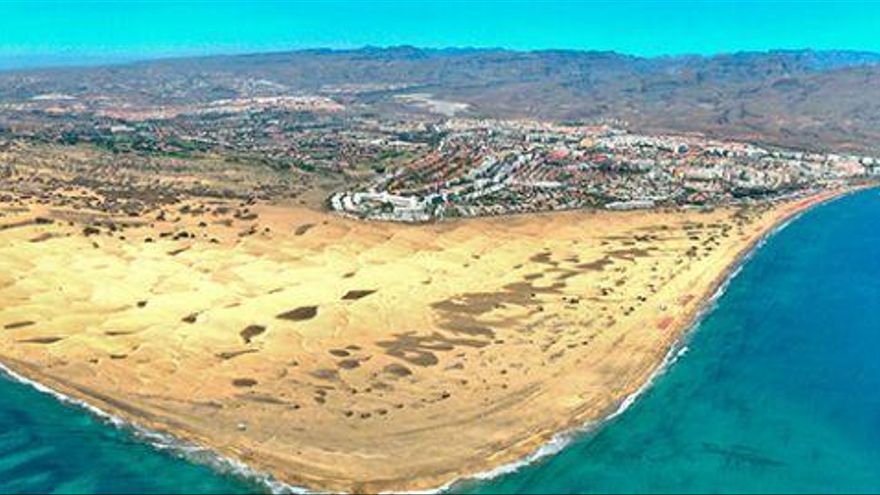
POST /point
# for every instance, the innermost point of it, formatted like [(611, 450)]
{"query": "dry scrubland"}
[(356, 356)]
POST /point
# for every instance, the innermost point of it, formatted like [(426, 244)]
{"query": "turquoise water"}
[(779, 392), (49, 447)]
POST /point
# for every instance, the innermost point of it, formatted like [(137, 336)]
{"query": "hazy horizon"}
[(40, 34), (50, 61)]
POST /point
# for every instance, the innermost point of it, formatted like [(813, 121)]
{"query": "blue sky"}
[(74, 31)]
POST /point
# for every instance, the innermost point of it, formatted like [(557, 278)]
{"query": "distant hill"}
[(815, 99)]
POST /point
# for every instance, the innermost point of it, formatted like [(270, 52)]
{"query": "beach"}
[(354, 356), (768, 393)]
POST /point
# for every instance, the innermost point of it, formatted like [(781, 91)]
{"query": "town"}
[(417, 163), (484, 168)]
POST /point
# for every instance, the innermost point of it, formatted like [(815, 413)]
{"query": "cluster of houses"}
[(502, 167)]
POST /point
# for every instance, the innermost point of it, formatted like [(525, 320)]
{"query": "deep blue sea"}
[(779, 391)]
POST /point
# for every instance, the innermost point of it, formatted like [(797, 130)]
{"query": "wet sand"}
[(341, 355)]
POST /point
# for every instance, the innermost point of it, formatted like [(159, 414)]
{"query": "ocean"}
[(778, 390), (47, 446)]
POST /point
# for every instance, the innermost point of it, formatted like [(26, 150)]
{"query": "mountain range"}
[(811, 99)]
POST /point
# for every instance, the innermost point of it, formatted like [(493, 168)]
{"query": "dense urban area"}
[(502, 167)]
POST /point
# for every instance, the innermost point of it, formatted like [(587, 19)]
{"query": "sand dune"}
[(361, 357)]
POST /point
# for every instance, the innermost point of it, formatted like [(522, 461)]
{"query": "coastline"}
[(164, 441), (123, 415), (679, 347)]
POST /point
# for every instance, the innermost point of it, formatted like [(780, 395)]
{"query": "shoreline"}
[(564, 438), (139, 420), (159, 440)]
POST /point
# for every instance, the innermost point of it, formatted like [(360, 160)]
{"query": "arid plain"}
[(345, 355)]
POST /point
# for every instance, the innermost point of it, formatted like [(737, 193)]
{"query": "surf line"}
[(163, 441), (679, 348)]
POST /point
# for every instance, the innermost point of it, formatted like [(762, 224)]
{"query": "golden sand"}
[(352, 356)]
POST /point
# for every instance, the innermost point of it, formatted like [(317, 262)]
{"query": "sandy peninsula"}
[(351, 356)]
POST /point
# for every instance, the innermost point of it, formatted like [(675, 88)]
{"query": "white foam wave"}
[(164, 441)]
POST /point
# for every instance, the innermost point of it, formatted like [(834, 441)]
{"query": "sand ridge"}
[(343, 355)]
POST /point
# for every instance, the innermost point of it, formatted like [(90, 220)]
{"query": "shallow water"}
[(778, 392), (50, 447)]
